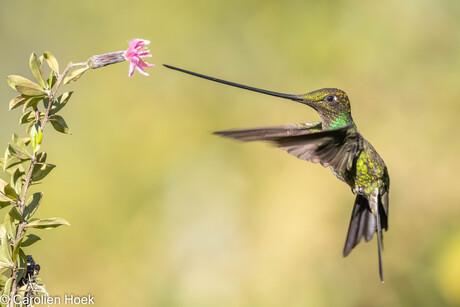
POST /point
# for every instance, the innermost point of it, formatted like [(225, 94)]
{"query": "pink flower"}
[(135, 53)]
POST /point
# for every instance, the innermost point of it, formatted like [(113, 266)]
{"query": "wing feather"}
[(335, 148), (271, 133)]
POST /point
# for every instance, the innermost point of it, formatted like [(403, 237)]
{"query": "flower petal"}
[(136, 51), (131, 69)]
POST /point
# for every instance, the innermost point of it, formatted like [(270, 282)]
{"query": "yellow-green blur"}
[(165, 214)]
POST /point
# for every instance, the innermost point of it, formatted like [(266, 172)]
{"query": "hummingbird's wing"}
[(271, 133), (335, 148)]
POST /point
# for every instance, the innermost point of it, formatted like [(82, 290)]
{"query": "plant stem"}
[(33, 163), (22, 224), (53, 92)]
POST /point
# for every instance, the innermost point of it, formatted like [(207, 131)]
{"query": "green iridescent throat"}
[(342, 120)]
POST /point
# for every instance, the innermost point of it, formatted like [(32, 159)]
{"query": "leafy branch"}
[(40, 106)]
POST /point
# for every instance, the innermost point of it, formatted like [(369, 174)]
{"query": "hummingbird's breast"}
[(370, 171)]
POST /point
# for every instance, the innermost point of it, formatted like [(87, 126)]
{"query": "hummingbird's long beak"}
[(249, 88)]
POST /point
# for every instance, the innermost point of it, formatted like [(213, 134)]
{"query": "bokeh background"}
[(165, 214)]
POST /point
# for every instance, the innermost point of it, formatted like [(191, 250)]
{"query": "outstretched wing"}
[(335, 148), (271, 133)]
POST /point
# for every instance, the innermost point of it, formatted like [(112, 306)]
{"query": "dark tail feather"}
[(379, 241), (364, 223)]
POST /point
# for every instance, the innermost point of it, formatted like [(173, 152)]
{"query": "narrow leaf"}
[(41, 157), (7, 288), (27, 117), (75, 75), (10, 193), (5, 250), (32, 102), (18, 179), (22, 264), (32, 205), (10, 225), (16, 248), (29, 126), (18, 141), (36, 136), (30, 239), (47, 223), (14, 213), (60, 102), (40, 173), (30, 90), (36, 67), (7, 191), (52, 80), (16, 102), (52, 62), (59, 124), (16, 152), (3, 203), (3, 280), (25, 86)]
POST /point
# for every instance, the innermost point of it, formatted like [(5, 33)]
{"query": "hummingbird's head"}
[(332, 105)]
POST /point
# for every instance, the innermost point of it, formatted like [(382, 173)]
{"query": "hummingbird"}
[(334, 142)]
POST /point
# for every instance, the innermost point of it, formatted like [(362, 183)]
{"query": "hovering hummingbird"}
[(334, 142)]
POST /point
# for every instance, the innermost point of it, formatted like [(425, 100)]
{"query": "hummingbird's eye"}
[(331, 98)]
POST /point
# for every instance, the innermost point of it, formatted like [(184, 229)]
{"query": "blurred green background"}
[(165, 214)]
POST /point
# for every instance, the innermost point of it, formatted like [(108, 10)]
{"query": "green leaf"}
[(59, 124), (7, 288), (17, 180), (3, 203), (10, 192), (16, 249), (22, 264), (5, 249), (30, 91), (27, 117), (41, 157), (29, 126), (10, 225), (3, 280), (12, 80), (40, 173), (32, 205), (75, 75), (51, 80), (36, 67), (7, 191), (20, 143), (25, 86), (47, 223), (15, 152), (36, 136), (4, 199), (16, 102), (32, 102), (15, 214), (30, 239), (3, 183), (52, 62), (60, 102)]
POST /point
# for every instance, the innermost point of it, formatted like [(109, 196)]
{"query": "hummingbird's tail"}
[(364, 223)]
